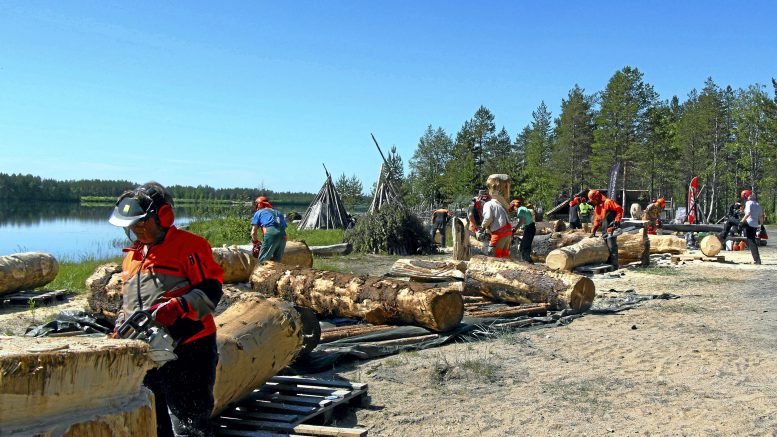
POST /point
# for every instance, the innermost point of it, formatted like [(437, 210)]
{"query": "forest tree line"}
[(18, 187), (727, 137)]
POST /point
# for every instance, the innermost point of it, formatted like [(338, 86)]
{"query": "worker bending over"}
[(497, 225), (652, 214), (272, 223), (526, 223), (607, 215)]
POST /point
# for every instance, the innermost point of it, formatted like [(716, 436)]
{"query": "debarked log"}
[(257, 337), (74, 387), (27, 270), (376, 300), (520, 282), (544, 244), (631, 247), (332, 250), (238, 263), (667, 244)]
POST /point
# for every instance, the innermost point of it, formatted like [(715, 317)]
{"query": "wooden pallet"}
[(679, 258), (38, 298), (593, 269), (291, 404)]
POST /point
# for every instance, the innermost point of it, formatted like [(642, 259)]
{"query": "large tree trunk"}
[(667, 244), (257, 337), (461, 242), (544, 244), (238, 263), (631, 247), (74, 387), (520, 282), (374, 299), (587, 251), (24, 271)]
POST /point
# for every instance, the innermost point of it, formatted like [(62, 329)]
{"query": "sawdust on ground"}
[(703, 364)]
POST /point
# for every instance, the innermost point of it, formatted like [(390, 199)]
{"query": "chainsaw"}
[(141, 326)]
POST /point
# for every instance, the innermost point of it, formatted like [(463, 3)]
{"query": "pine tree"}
[(574, 135), (427, 167), (538, 150)]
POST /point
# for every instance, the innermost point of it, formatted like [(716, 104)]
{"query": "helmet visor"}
[(127, 212)]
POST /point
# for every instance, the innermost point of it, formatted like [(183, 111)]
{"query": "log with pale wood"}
[(710, 245), (519, 282), (257, 337), (74, 387), (461, 239), (667, 244), (238, 263), (549, 227), (428, 271), (373, 299), (332, 250), (544, 244), (631, 247), (26, 270)]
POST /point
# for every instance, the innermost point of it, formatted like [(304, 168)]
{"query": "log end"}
[(447, 309), (582, 295), (710, 245)]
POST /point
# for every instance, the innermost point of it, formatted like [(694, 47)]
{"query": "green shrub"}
[(392, 230), (72, 275)]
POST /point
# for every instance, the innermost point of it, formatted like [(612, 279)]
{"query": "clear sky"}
[(260, 93)]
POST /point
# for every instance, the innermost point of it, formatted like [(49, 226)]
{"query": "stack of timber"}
[(74, 387), (27, 270), (376, 300), (519, 282), (103, 287)]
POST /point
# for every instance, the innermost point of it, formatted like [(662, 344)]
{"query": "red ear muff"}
[(165, 216)]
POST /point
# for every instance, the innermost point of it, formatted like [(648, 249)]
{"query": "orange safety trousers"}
[(500, 241)]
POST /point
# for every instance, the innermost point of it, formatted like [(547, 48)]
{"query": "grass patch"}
[(72, 275), (705, 280), (478, 366), (660, 271), (233, 230)]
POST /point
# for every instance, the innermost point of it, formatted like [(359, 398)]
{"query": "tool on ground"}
[(140, 325)]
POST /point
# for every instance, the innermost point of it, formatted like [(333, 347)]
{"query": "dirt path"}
[(704, 364)]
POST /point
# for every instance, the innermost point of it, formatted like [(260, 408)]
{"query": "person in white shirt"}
[(753, 219)]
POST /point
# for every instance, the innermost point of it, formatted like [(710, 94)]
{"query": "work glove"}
[(169, 312), (616, 225), (256, 249), (593, 235), (481, 235)]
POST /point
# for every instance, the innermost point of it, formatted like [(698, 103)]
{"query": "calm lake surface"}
[(73, 232)]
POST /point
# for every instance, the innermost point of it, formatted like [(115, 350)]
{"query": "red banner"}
[(692, 192)]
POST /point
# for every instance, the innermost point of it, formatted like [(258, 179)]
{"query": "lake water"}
[(72, 232)]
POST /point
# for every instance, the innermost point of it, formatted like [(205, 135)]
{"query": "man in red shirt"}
[(607, 215), (172, 274)]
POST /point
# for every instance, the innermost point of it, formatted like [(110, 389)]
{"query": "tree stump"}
[(374, 299), (461, 242)]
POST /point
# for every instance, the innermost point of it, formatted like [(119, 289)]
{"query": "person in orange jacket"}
[(172, 274), (607, 215)]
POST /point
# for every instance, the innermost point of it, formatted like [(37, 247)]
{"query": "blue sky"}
[(254, 93)]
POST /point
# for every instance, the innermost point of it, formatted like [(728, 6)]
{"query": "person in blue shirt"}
[(272, 223)]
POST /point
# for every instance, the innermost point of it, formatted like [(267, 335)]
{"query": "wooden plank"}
[(293, 389), (251, 433), (279, 406), (511, 311), (254, 415), (302, 400), (317, 382), (330, 431)]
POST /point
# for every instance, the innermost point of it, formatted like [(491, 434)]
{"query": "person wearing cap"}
[(753, 219), (526, 223), (607, 215), (272, 224), (652, 213), (171, 273)]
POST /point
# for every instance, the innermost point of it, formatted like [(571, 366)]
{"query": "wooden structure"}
[(290, 404), (327, 210), (373, 299), (76, 386), (26, 270), (385, 191), (519, 282)]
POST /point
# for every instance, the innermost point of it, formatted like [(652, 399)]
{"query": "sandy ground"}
[(704, 364)]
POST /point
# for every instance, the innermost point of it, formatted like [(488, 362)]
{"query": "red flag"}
[(692, 192)]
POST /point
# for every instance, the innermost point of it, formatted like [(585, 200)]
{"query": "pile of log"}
[(27, 270), (74, 387), (376, 300), (519, 282)]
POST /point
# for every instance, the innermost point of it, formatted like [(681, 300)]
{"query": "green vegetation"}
[(393, 231), (232, 230), (73, 274), (660, 271)]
